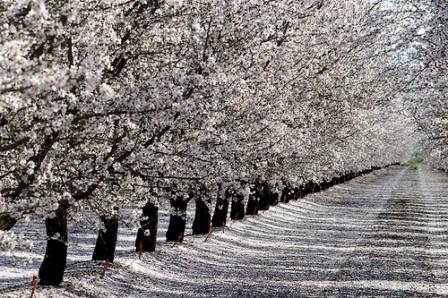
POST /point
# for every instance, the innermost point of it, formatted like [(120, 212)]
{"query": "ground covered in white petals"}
[(383, 234)]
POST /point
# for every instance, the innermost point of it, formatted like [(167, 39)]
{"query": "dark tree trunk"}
[(201, 222), (264, 195), (297, 193), (147, 233), (307, 188), (107, 240), (286, 194), (283, 195), (176, 227), (310, 187), (51, 270), (273, 198), (290, 194), (252, 204), (220, 215), (237, 208), (7, 222)]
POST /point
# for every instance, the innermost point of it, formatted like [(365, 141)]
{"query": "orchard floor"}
[(382, 235)]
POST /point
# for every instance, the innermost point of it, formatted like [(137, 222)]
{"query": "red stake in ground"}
[(210, 232), (106, 266), (140, 249), (34, 284), (178, 240)]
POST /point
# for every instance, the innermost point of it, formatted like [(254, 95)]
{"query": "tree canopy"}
[(114, 102)]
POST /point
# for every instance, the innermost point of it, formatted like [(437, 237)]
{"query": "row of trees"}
[(118, 103), (425, 100)]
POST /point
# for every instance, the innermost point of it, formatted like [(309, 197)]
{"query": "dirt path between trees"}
[(380, 235)]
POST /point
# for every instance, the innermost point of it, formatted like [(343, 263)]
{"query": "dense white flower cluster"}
[(177, 212), (425, 99), (104, 103), (10, 240)]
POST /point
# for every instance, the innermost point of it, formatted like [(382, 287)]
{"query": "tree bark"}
[(286, 194), (252, 204), (176, 227), (147, 233), (51, 270), (107, 240), (237, 208), (221, 208), (264, 195), (307, 189), (297, 193), (201, 222), (273, 198)]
